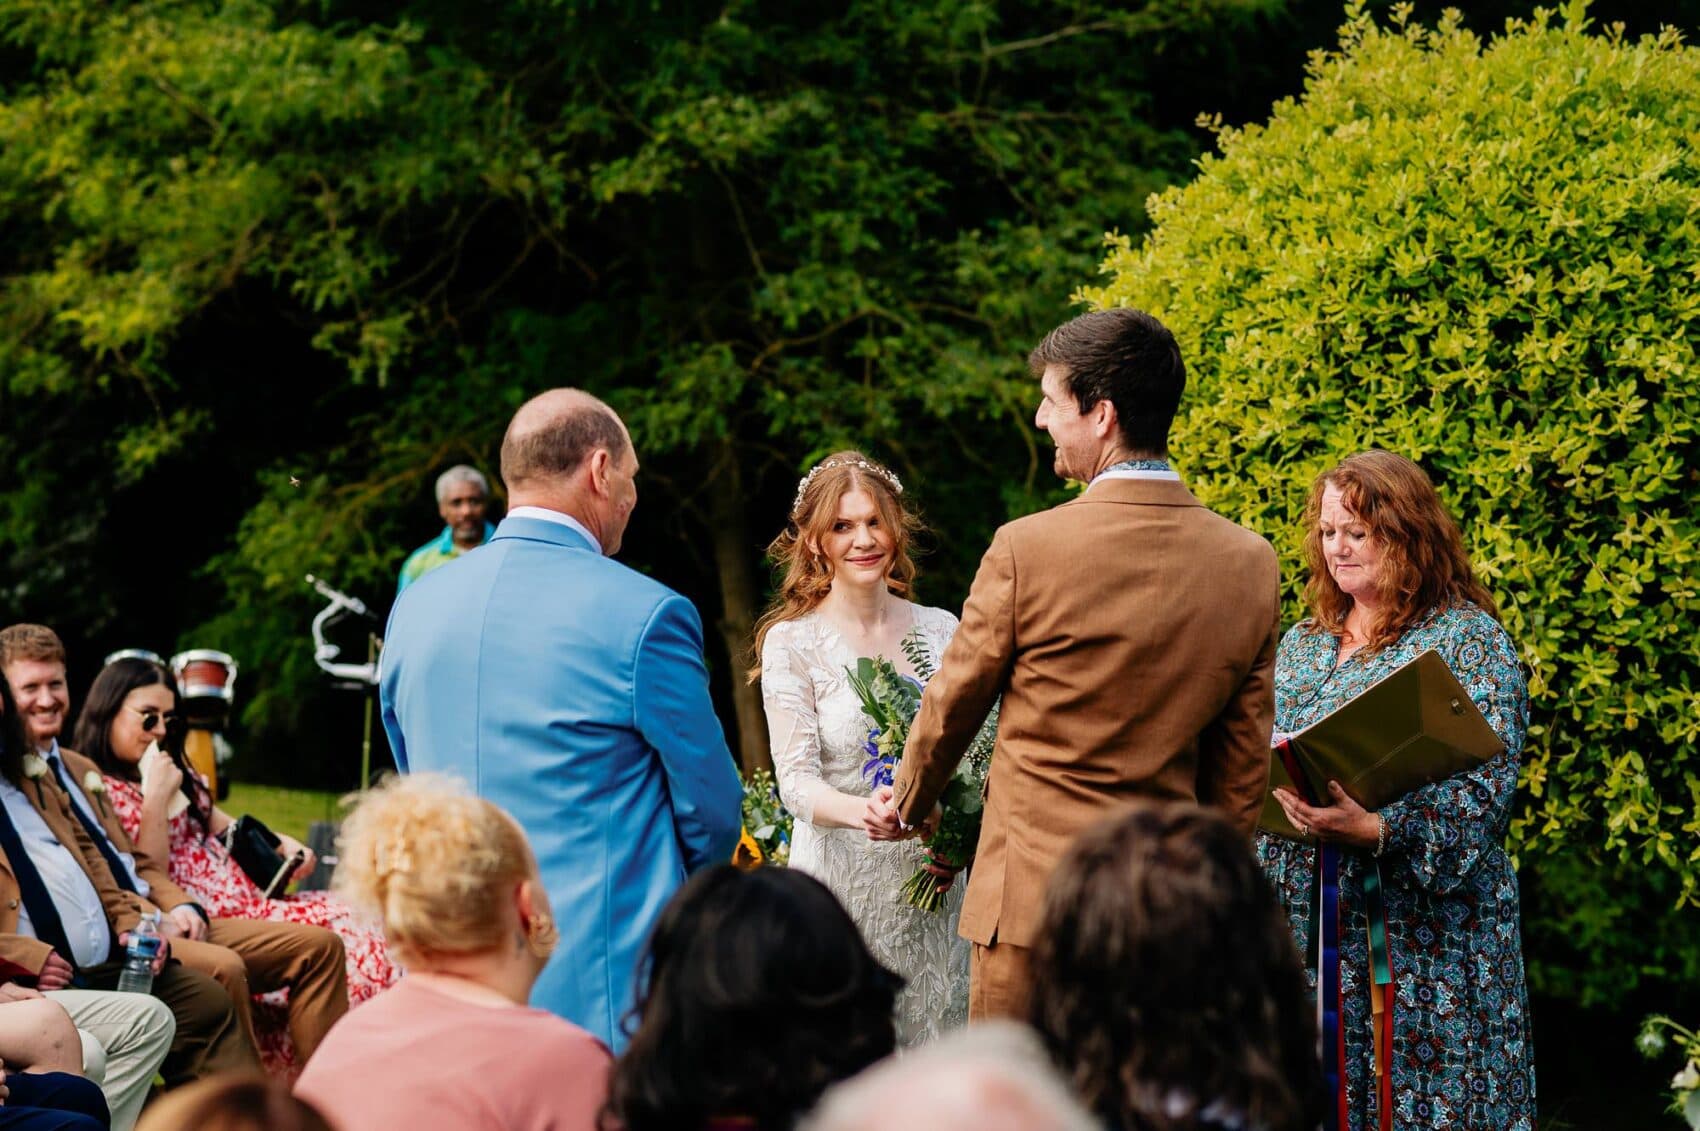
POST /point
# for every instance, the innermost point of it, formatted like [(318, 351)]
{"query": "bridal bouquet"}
[(890, 702)]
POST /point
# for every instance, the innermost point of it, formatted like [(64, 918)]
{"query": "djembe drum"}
[(206, 685)]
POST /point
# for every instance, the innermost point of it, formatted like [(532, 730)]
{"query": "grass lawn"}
[(283, 810)]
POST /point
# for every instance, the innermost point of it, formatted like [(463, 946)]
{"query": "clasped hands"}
[(881, 821), (1342, 822)]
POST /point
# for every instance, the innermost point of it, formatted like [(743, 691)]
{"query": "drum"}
[(206, 683)]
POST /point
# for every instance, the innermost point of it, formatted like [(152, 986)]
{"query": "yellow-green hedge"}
[(1484, 255)]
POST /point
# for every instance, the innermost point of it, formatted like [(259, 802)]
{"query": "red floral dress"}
[(202, 866)]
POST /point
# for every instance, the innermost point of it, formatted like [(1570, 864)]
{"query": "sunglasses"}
[(151, 717)]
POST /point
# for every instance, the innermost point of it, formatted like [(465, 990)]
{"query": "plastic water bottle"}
[(145, 943)]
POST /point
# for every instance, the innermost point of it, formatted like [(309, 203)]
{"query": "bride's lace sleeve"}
[(793, 727), (939, 625)]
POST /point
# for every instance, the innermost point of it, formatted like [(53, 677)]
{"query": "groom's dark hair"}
[(1126, 357)]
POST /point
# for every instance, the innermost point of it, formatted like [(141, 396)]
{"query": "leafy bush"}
[(1482, 255)]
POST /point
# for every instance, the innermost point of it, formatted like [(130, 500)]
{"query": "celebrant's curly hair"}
[(756, 992), (805, 573), (1423, 560), (1167, 982), (92, 736)]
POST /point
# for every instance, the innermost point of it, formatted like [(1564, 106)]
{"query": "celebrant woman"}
[(1390, 579), (844, 554)]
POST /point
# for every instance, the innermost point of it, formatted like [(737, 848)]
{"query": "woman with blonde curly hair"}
[(845, 582), (455, 885)]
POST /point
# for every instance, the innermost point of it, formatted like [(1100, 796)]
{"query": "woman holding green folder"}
[(1427, 1025)]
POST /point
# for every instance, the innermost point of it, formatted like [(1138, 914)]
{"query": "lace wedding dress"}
[(817, 728)]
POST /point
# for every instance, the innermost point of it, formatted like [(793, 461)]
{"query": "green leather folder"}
[(1414, 726)]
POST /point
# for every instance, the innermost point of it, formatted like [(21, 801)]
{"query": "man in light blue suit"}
[(571, 691)]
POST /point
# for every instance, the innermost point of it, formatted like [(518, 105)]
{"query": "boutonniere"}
[(35, 768), (95, 786)]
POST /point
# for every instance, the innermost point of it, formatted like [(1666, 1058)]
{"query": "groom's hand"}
[(880, 817)]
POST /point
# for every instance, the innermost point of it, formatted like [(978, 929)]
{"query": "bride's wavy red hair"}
[(1423, 560), (805, 574)]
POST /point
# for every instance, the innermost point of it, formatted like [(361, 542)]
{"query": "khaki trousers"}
[(131, 1035), (248, 956), (1000, 982)]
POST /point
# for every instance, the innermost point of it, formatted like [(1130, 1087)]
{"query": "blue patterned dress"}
[(1462, 1054)]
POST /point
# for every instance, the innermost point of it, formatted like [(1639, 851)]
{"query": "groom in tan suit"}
[(1130, 631)]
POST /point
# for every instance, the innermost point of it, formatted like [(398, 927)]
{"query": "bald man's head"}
[(553, 433)]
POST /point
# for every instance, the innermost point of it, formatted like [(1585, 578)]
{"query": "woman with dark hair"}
[(1389, 580), (234, 1102), (757, 992), (1166, 983), (846, 577), (129, 728)]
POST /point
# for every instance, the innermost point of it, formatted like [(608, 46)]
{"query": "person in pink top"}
[(453, 1045)]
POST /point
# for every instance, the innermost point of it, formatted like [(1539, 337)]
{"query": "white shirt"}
[(81, 801), (74, 897), (560, 518)]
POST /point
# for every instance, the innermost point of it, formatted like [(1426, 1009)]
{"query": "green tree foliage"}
[(271, 266), (1482, 255)]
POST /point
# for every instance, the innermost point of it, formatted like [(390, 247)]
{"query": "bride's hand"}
[(880, 817)]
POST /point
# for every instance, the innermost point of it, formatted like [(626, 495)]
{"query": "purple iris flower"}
[(877, 770)]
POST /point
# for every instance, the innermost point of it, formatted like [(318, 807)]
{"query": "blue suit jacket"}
[(571, 691)]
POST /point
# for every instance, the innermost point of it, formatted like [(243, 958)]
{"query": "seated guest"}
[(456, 886), (169, 815), (243, 955), (1167, 985), (993, 1077), (52, 1095), (124, 1038), (62, 917), (756, 993), (237, 1101)]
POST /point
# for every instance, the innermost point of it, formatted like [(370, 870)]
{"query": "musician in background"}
[(463, 495), (1390, 579)]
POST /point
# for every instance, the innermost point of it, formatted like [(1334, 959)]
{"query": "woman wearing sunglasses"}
[(129, 727)]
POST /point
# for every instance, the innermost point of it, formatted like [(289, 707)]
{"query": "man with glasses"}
[(244, 956)]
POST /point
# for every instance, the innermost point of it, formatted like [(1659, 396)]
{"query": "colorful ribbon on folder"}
[(1325, 939)]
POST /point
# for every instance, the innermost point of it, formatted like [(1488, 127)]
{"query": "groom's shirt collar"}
[(560, 518), (1139, 469)]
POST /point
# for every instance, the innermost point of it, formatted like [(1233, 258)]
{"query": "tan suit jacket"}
[(123, 909), (161, 891), (1131, 633)]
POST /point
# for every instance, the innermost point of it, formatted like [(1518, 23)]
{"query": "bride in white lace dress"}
[(846, 568)]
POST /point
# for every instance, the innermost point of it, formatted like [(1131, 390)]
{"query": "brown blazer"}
[(1131, 633), (161, 890), (123, 909)]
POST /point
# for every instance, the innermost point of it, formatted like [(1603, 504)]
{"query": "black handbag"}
[(258, 852)]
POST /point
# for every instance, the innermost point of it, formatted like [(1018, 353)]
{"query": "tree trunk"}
[(733, 554)]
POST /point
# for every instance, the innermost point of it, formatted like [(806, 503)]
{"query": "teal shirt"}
[(434, 553)]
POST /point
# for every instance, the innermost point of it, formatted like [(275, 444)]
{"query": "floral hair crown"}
[(870, 468)]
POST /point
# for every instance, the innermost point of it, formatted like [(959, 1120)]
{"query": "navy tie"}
[(120, 874), (44, 916)]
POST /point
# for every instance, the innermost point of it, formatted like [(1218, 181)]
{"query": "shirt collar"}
[(1139, 469), (560, 518)]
